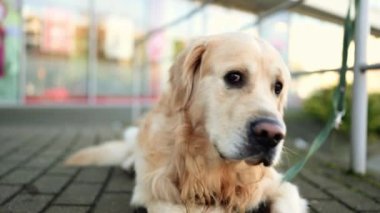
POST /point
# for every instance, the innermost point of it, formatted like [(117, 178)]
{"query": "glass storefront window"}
[(91, 51), (95, 51)]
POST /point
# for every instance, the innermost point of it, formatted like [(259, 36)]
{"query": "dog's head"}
[(235, 86)]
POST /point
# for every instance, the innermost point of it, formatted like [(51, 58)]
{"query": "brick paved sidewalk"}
[(32, 178)]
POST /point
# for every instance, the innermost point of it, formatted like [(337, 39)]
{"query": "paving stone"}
[(106, 135), (6, 148), (357, 183), (31, 147), (320, 180), (120, 181), (25, 152), (355, 200), (13, 144), (61, 144), (7, 191), (113, 203), (51, 184), (85, 140), (309, 191), (327, 189), (40, 162), (92, 174), (326, 206), (26, 203), (63, 170), (20, 176), (79, 193), (18, 156), (5, 166), (67, 209), (341, 191), (52, 152)]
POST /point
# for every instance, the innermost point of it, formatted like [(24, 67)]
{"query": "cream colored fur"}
[(109, 153), (178, 149)]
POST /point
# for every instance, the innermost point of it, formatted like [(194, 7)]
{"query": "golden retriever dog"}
[(211, 142)]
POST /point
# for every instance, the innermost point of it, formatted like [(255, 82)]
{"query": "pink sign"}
[(57, 33)]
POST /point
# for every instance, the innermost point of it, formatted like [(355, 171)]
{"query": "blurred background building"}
[(104, 52)]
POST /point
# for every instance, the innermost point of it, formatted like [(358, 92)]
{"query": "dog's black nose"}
[(267, 132)]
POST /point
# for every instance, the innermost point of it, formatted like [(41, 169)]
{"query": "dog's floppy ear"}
[(183, 72)]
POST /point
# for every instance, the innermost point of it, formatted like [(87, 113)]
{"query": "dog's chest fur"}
[(198, 174)]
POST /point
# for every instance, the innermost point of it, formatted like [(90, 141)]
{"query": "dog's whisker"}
[(289, 150)]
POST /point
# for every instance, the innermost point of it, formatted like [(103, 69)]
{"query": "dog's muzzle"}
[(264, 134)]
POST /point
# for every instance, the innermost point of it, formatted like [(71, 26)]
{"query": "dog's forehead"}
[(243, 51), (235, 45)]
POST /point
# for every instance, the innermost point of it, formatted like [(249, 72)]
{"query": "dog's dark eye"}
[(234, 79), (278, 87)]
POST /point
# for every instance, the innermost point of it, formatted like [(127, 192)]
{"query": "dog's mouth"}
[(255, 155), (256, 160), (253, 159)]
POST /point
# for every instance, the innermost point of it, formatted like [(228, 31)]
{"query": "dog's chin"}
[(254, 161), (251, 156)]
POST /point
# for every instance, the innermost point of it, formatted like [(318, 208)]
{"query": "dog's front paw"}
[(288, 199)]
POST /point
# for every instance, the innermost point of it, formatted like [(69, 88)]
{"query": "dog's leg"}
[(278, 196), (141, 197), (287, 199), (130, 138), (109, 153), (159, 207)]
